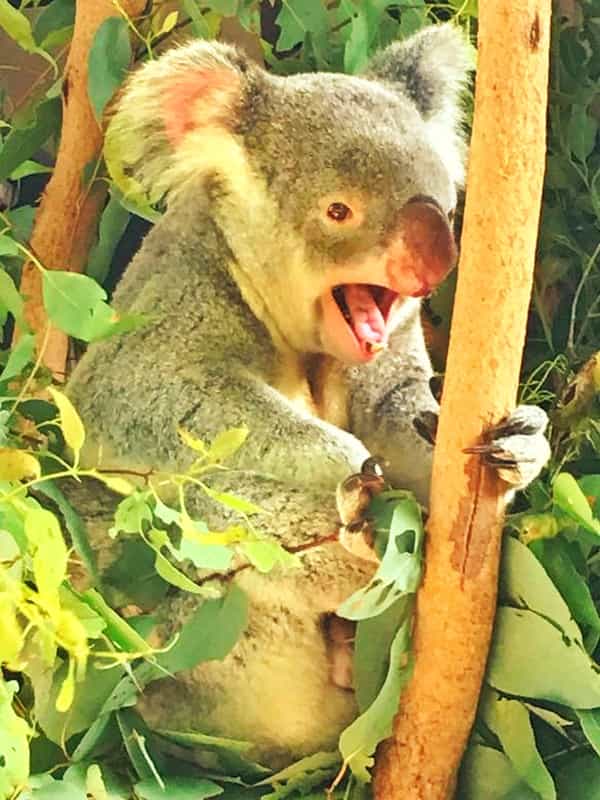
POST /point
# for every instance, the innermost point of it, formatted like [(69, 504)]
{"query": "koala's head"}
[(335, 192)]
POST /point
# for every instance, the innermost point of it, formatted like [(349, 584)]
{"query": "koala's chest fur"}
[(315, 384)]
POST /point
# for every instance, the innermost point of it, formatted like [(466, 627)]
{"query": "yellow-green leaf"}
[(116, 484), (15, 465), (225, 444), (169, 22), (11, 635), (67, 690), (191, 441), (70, 422), (49, 554)]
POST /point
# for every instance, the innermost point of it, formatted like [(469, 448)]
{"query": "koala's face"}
[(335, 193), (358, 180)]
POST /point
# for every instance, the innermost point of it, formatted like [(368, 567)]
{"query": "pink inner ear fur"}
[(201, 98)]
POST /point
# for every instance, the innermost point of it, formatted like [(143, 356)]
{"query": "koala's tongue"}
[(366, 318)]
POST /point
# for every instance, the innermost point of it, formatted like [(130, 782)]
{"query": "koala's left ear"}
[(430, 68)]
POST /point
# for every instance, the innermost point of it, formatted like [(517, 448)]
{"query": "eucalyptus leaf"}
[(108, 60), (487, 774), (359, 740), (569, 498), (525, 583), (23, 142), (21, 354), (209, 633), (399, 571), (522, 641), (509, 721), (112, 227)]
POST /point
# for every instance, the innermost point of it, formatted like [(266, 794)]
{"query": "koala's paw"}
[(353, 497), (516, 448)]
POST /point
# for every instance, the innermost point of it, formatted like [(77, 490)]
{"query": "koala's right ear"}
[(191, 91)]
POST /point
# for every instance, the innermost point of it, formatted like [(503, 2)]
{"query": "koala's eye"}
[(339, 212)]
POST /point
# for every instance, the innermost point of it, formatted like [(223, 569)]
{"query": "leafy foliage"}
[(79, 665)]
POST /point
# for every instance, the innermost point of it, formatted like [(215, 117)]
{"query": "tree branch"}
[(66, 219), (456, 604)]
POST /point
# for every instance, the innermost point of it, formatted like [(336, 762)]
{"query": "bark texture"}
[(66, 220), (456, 604)]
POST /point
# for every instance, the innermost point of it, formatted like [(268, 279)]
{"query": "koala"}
[(306, 217)]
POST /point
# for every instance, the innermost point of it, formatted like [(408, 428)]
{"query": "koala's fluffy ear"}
[(431, 69), (192, 91)]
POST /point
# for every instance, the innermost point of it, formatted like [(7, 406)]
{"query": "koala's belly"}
[(274, 689)]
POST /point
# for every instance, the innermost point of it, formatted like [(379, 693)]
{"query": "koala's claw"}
[(353, 497), (516, 447)]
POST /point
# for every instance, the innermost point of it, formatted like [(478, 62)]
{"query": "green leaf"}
[(70, 422), (10, 299), (509, 721), (555, 557), (299, 17), (356, 49), (524, 582), (75, 304), (134, 576), (567, 495), (90, 695), (590, 724), (225, 7), (579, 778), (134, 733), (75, 526), (20, 221), (54, 18), (20, 355), (399, 571), (228, 753), (108, 61), (374, 637), (235, 503), (176, 577), (264, 555), (112, 227), (22, 143), (29, 168), (17, 26), (131, 514), (487, 774), (16, 465), (522, 641), (360, 739), (302, 776), (209, 633), (205, 556), (117, 629), (178, 788), (581, 132), (226, 443), (8, 246), (50, 553), (14, 743)]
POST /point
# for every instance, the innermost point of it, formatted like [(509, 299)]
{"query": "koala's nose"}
[(427, 250)]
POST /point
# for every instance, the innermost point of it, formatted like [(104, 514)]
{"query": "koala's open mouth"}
[(366, 309)]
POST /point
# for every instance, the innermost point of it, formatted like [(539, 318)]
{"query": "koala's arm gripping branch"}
[(456, 604), (66, 219)]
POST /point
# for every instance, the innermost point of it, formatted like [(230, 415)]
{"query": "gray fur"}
[(231, 276)]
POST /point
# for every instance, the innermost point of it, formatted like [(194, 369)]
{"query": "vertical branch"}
[(65, 222), (456, 603)]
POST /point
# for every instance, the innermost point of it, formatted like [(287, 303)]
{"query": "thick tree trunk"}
[(456, 604), (66, 220)]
